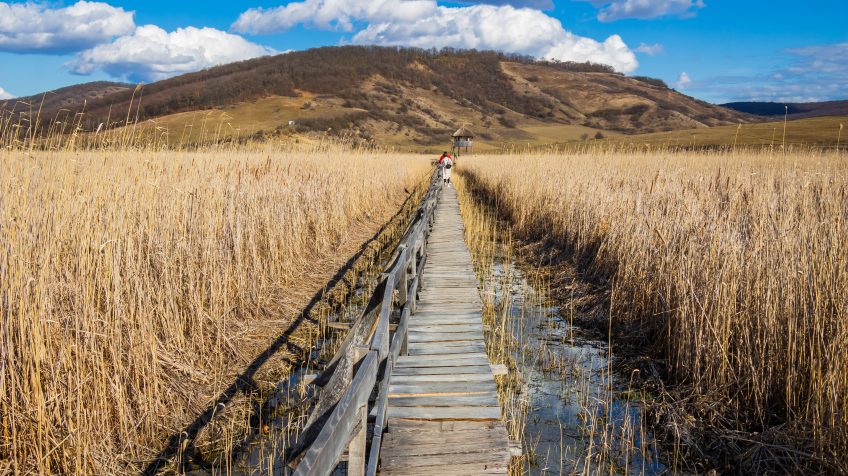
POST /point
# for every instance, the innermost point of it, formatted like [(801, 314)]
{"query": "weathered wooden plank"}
[(485, 376), (449, 346), (448, 292), (464, 369), (482, 399), (458, 308), (499, 369), (434, 350), (446, 469), (437, 319), (446, 327), (457, 358), (444, 432), (443, 304), (481, 456), (446, 330), (449, 272), (464, 273), (429, 444), (450, 360), (466, 337), (447, 321), (425, 313), (441, 388), (431, 302), (431, 283), (449, 342), (449, 261), (444, 427), (466, 300), (446, 413)]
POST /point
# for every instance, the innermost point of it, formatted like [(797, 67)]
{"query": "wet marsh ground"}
[(572, 407)]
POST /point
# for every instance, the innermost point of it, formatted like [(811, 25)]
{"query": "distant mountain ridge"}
[(795, 110), (402, 94), (67, 97)]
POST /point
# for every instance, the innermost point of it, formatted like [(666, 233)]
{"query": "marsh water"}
[(583, 417)]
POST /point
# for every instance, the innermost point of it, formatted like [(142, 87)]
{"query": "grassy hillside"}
[(400, 96), (69, 97), (819, 131)]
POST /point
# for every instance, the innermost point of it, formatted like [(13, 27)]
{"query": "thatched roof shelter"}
[(463, 133)]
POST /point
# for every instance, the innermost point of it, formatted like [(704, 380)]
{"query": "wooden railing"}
[(366, 358)]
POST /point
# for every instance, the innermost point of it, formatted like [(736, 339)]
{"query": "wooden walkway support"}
[(415, 364), (443, 415)]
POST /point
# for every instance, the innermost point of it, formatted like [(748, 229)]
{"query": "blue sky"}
[(716, 50)]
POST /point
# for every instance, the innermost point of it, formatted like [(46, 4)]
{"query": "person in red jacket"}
[(446, 163)]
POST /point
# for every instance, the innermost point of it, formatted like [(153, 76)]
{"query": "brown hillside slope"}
[(614, 102), (403, 95), (67, 97)]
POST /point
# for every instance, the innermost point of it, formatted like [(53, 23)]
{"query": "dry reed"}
[(135, 286), (735, 263)]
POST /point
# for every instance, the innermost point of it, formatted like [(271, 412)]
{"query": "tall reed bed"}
[(736, 265), (135, 287)]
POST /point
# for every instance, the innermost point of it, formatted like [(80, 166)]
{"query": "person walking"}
[(446, 164)]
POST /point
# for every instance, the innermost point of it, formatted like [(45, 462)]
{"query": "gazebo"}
[(462, 139)]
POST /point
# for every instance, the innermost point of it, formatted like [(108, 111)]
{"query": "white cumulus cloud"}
[(151, 53), (611, 10), (650, 50), (424, 24), (683, 81), (330, 14), (36, 28), (6, 94), (537, 4)]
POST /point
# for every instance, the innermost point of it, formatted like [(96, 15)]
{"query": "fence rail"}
[(366, 358)]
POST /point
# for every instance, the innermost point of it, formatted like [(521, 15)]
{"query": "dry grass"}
[(817, 131), (735, 265), (135, 286)]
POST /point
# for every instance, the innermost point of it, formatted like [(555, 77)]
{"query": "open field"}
[(817, 131), (733, 267), (134, 287)]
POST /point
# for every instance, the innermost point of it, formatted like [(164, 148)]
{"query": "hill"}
[(67, 97), (796, 110), (401, 96)]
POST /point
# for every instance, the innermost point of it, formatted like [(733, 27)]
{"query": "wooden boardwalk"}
[(443, 411)]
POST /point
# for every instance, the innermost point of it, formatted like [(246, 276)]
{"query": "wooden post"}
[(356, 447), (403, 328), (359, 353), (404, 346), (403, 278)]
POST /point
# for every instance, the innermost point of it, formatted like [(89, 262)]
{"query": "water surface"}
[(583, 416)]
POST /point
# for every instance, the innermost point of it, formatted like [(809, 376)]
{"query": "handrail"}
[(346, 425)]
